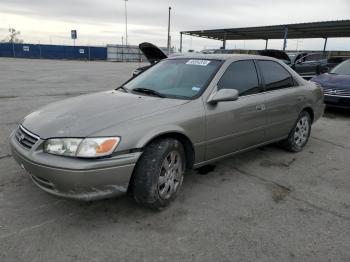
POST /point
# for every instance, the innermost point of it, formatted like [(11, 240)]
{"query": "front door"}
[(236, 125), (307, 65)]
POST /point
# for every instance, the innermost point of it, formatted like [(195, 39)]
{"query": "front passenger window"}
[(242, 76)]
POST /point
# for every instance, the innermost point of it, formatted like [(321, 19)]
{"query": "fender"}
[(150, 135)]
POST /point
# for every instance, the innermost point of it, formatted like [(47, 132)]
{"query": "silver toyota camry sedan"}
[(181, 113)]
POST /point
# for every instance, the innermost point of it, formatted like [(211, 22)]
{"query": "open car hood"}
[(151, 52), (278, 54)]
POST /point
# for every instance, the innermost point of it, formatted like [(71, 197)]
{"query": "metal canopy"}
[(325, 29)]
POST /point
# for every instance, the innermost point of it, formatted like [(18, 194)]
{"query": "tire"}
[(159, 173), (300, 133)]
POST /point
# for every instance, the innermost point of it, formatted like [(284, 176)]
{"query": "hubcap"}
[(171, 175), (301, 131)]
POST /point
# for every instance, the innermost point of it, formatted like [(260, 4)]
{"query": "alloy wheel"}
[(171, 175), (301, 131)]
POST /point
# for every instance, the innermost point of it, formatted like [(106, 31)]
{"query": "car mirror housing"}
[(223, 95)]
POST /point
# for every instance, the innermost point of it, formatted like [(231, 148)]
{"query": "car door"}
[(282, 98), (307, 65), (235, 125)]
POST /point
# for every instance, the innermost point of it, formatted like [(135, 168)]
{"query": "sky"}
[(101, 22)]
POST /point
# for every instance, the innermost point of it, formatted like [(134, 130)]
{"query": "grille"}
[(336, 91), (25, 138)]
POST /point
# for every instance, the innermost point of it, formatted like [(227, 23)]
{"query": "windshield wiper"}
[(123, 88), (148, 91)]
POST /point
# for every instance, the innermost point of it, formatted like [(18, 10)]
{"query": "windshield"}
[(176, 78), (342, 69)]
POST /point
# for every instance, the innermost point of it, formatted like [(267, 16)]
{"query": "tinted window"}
[(275, 75), (242, 76)]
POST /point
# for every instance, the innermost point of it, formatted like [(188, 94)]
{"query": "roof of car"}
[(219, 56)]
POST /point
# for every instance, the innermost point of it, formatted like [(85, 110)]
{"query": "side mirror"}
[(298, 61), (223, 95)]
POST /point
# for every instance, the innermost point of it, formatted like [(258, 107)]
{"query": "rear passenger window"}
[(275, 75), (242, 76)]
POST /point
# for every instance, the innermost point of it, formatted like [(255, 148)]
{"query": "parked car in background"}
[(296, 56), (181, 113), (224, 51), (336, 60), (305, 64), (217, 51), (336, 85), (278, 54), (310, 65), (153, 55), (208, 51)]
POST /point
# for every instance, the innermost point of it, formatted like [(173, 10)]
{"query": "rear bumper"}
[(81, 179), (337, 101)]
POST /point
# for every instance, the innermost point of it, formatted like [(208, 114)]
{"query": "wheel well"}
[(311, 112), (185, 141)]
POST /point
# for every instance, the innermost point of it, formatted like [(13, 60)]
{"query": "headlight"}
[(64, 146), (88, 147)]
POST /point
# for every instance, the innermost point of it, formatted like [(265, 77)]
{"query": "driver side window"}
[(242, 76)]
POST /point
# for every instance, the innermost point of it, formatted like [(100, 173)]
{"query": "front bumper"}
[(337, 101), (82, 179)]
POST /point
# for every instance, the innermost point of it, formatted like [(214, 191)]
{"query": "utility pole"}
[(126, 23), (169, 41)]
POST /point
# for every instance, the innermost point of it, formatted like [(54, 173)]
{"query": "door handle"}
[(260, 107)]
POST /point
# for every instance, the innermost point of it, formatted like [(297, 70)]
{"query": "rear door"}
[(282, 98), (240, 124)]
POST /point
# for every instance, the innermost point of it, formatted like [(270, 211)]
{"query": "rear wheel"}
[(159, 173), (300, 133)]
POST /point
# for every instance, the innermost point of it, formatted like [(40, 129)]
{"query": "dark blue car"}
[(336, 85)]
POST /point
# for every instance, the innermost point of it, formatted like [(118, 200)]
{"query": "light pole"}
[(169, 31), (126, 23)]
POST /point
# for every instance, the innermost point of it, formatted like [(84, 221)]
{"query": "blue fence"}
[(53, 51)]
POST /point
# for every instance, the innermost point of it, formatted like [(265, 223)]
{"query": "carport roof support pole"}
[(325, 44), (285, 38), (266, 41), (224, 42), (180, 42)]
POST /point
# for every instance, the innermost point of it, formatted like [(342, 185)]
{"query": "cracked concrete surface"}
[(263, 205)]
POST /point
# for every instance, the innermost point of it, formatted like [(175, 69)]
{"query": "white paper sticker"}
[(198, 62), (196, 88)]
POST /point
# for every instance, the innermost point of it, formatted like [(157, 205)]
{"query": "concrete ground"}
[(264, 205)]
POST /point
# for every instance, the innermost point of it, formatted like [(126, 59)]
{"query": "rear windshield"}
[(342, 69), (177, 78)]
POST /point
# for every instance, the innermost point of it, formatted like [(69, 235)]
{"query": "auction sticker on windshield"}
[(198, 62)]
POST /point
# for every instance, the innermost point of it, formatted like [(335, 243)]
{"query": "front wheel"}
[(300, 133), (159, 173)]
